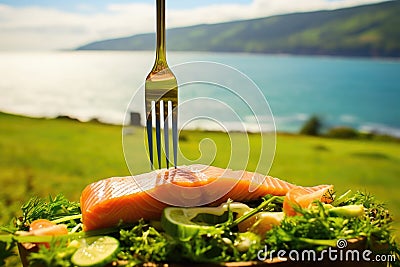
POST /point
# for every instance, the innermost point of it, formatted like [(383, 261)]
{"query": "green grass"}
[(50, 156), (41, 157)]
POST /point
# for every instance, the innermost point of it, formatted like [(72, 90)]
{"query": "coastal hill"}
[(366, 31)]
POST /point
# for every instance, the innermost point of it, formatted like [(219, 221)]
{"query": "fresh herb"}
[(143, 243), (223, 243), (6, 250), (268, 204), (53, 208), (376, 211), (275, 204), (50, 209), (317, 229), (312, 229), (220, 243), (57, 254)]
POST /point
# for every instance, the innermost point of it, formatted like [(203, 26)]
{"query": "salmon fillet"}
[(304, 196), (109, 202)]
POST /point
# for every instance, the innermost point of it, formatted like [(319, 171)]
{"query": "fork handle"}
[(161, 59)]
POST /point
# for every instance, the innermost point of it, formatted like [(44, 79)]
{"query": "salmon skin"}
[(112, 201)]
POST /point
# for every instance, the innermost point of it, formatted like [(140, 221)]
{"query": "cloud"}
[(258, 8), (44, 28)]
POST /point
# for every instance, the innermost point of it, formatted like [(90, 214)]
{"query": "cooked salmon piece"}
[(109, 202), (304, 196)]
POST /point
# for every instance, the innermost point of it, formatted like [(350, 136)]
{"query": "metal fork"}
[(161, 97)]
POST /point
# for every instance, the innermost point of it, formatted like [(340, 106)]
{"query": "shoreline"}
[(361, 134), (254, 54)]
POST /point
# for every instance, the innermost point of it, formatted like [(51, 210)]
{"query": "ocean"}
[(355, 92)]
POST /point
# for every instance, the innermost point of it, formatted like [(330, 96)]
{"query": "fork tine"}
[(149, 126), (166, 132), (158, 132), (175, 131)]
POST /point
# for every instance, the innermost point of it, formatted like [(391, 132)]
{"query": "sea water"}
[(356, 92)]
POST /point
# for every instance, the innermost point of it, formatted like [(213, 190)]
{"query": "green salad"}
[(51, 231)]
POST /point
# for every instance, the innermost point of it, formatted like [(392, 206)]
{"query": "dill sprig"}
[(57, 254), (316, 229), (6, 250), (144, 243), (51, 209)]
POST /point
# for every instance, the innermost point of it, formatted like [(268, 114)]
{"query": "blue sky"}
[(51, 24)]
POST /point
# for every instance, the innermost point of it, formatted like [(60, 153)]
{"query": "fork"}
[(161, 98)]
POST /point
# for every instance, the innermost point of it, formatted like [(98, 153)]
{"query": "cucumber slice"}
[(95, 251), (348, 211)]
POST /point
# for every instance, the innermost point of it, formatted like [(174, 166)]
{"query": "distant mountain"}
[(369, 30)]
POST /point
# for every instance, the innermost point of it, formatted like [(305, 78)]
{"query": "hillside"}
[(367, 30)]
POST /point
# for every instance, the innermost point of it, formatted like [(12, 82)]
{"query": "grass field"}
[(50, 156)]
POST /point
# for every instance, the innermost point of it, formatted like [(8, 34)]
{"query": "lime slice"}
[(95, 251), (187, 222), (176, 223)]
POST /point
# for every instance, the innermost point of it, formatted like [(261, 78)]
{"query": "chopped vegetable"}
[(349, 211), (261, 223), (43, 227), (39, 224), (186, 222), (95, 251)]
